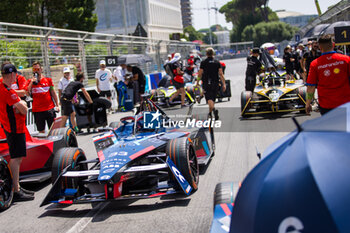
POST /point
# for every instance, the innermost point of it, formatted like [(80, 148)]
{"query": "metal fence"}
[(55, 48)]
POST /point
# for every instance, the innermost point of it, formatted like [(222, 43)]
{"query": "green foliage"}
[(193, 34), (69, 14), (206, 38), (246, 12), (96, 49), (203, 30), (268, 32), (24, 51)]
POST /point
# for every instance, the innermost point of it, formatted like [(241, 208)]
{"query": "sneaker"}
[(27, 191), (21, 196), (216, 114)]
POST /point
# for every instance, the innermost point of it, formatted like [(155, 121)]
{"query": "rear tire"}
[(245, 96), (70, 139), (64, 157), (182, 153), (225, 193), (6, 186), (103, 101)]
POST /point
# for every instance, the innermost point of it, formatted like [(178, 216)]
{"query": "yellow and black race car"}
[(274, 94)]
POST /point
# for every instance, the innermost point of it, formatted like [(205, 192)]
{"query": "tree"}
[(271, 32), (246, 12), (69, 14), (206, 38), (192, 33)]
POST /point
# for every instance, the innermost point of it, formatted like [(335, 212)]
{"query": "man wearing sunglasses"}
[(45, 101)]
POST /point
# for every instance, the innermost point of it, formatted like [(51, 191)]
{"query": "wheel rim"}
[(5, 184), (193, 165)]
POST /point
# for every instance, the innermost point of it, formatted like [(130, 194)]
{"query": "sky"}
[(200, 15)]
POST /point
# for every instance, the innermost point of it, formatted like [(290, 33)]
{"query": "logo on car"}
[(152, 120)]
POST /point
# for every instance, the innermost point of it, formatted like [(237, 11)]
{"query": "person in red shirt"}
[(13, 112), (178, 80), (330, 73), (45, 101), (20, 85)]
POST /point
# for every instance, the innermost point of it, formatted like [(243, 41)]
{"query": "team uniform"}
[(12, 122), (67, 96), (43, 105), (331, 74), (103, 77), (210, 78), (253, 66), (288, 63), (178, 80)]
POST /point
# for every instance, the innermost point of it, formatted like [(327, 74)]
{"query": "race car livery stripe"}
[(156, 194), (141, 152), (100, 155), (226, 209)]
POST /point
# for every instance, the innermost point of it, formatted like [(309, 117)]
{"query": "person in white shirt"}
[(103, 78)]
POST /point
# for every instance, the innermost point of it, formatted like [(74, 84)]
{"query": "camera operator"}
[(45, 101)]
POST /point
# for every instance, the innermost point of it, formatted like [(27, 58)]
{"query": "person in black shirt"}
[(308, 57), (67, 98), (210, 71), (253, 67), (289, 62), (139, 79)]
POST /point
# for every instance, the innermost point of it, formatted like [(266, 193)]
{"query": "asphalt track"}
[(235, 156)]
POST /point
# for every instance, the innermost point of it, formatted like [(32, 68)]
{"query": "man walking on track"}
[(13, 112), (330, 74), (211, 73)]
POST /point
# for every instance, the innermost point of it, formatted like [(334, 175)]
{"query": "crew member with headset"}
[(253, 67)]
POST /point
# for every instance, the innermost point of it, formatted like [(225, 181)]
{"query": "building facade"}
[(294, 18), (159, 18), (186, 11), (223, 37)]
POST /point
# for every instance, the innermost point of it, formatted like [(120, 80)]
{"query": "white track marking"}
[(82, 223)]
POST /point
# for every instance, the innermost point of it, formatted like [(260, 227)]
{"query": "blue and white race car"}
[(134, 161)]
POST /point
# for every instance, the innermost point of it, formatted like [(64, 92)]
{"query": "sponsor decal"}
[(330, 65), (152, 120), (103, 77), (327, 73), (336, 70), (291, 224), (14, 96)]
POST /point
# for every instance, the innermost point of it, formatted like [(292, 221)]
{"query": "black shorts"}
[(178, 85), (106, 93), (17, 144), (211, 92), (67, 107), (41, 118)]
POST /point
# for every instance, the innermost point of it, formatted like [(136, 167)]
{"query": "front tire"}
[(182, 153), (6, 185), (225, 193), (68, 156), (245, 98)]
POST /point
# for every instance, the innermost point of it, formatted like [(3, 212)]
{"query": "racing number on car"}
[(178, 174)]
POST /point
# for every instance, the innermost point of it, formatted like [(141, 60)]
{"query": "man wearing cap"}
[(45, 101), (331, 74), (211, 73), (13, 112), (103, 77), (20, 85), (253, 67)]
